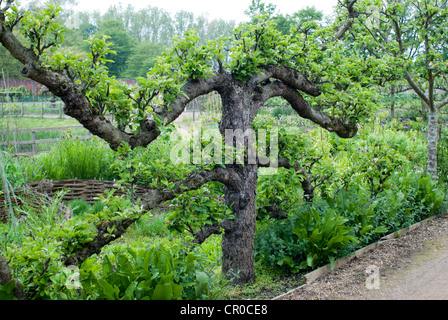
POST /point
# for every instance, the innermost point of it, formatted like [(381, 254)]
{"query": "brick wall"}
[(30, 85)]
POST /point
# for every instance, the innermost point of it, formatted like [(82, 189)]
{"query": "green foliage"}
[(277, 246), (38, 265), (79, 206), (143, 59), (282, 110), (317, 233), (115, 208), (123, 46), (41, 28), (191, 211), (190, 58), (46, 237), (6, 291), (324, 236), (357, 208), (72, 158), (312, 236), (153, 273), (151, 226), (272, 190), (150, 167)]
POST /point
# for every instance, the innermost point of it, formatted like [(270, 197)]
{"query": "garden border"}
[(325, 270)]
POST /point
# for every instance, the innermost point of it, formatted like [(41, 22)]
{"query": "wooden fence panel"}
[(34, 142)]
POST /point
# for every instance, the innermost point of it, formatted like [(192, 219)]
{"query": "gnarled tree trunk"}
[(238, 112), (238, 241)]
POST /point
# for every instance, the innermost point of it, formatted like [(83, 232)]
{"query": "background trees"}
[(133, 32), (413, 34)]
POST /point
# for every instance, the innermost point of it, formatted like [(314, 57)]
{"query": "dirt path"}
[(426, 278), (414, 266)]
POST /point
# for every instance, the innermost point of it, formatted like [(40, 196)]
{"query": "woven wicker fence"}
[(86, 190)]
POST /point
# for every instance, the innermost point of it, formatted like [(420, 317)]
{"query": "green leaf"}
[(111, 292), (6, 291), (163, 292), (202, 284), (129, 293), (107, 266)]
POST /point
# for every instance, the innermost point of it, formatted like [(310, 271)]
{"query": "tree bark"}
[(238, 112), (432, 139), (392, 104), (5, 277), (238, 241)]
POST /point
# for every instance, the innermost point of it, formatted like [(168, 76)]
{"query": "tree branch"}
[(306, 182), (102, 238), (195, 180), (296, 80), (347, 24), (342, 128), (442, 103), (152, 199), (416, 88)]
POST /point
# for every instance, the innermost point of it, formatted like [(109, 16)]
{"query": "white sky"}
[(224, 9)]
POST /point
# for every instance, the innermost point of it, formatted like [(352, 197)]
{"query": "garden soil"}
[(411, 267)]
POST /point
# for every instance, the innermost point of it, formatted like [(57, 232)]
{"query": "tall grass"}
[(8, 192), (73, 158)]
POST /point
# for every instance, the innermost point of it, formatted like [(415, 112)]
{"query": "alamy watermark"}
[(72, 282), (208, 146), (373, 279), (373, 19)]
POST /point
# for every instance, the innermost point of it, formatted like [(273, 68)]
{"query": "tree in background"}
[(9, 65), (123, 45), (413, 33), (309, 14), (143, 58)]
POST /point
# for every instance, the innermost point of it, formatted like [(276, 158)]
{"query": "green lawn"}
[(21, 123)]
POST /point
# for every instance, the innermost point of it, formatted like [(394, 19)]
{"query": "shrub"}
[(152, 273), (282, 111), (324, 236), (326, 229), (277, 246), (79, 206)]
